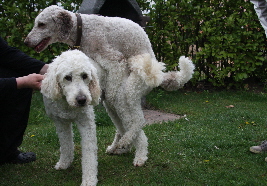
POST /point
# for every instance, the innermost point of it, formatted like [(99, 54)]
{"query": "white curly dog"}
[(126, 64), (70, 89)]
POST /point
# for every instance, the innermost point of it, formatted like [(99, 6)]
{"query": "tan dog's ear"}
[(50, 87), (94, 88), (64, 24)]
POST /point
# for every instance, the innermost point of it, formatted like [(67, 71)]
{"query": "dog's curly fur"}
[(70, 89), (127, 68)]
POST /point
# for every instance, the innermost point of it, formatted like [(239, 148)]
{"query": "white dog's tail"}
[(174, 80)]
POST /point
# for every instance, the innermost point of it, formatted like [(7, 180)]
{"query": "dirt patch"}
[(154, 116)]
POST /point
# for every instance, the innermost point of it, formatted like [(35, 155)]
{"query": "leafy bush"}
[(224, 38)]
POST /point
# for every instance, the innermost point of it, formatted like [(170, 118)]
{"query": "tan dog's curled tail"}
[(148, 68), (174, 80)]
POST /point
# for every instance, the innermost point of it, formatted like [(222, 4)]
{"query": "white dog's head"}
[(73, 77), (53, 24)]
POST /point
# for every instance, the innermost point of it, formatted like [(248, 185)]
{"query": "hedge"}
[(224, 39)]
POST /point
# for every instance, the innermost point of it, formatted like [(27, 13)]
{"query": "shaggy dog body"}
[(70, 89), (127, 68)]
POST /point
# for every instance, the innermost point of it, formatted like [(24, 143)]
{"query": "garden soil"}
[(154, 116)]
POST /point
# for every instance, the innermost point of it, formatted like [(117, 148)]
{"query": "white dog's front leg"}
[(89, 153), (65, 135)]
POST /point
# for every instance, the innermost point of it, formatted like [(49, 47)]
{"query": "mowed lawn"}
[(209, 146)]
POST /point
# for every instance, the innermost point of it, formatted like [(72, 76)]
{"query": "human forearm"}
[(32, 81)]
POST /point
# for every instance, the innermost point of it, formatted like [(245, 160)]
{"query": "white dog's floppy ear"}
[(94, 88), (50, 87)]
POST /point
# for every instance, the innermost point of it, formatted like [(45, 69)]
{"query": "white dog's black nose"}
[(81, 100)]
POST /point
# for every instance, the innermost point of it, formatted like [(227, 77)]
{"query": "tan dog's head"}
[(53, 24), (73, 77)]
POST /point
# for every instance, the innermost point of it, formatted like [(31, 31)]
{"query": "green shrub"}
[(224, 38)]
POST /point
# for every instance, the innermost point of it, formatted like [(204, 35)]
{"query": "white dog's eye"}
[(84, 76), (68, 78)]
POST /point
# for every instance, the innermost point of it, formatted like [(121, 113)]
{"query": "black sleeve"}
[(7, 85), (16, 60), (13, 59)]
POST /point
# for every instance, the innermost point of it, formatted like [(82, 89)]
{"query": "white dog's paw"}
[(61, 165), (84, 183), (139, 161), (89, 182)]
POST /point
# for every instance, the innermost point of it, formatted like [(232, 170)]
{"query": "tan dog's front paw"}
[(139, 162), (61, 165)]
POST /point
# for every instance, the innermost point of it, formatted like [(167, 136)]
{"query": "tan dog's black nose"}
[(26, 42)]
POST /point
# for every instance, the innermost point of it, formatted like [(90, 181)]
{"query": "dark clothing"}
[(260, 7), (15, 60), (14, 103)]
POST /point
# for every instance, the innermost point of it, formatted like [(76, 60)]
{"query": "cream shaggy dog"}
[(127, 68), (70, 89)]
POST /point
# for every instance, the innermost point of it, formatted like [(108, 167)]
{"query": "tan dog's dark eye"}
[(68, 78), (41, 24), (84, 76)]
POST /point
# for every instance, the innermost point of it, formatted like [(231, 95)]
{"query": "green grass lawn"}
[(210, 146)]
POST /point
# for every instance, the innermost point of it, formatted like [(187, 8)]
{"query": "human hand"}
[(32, 81)]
